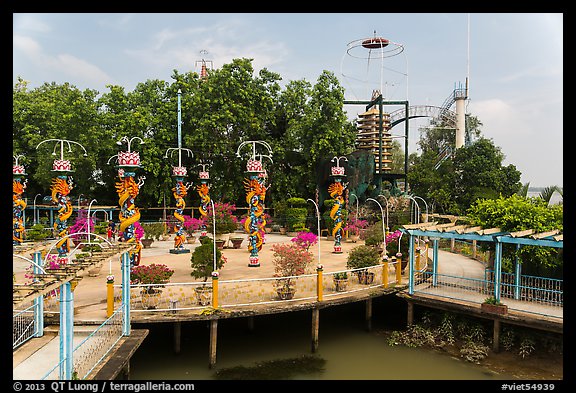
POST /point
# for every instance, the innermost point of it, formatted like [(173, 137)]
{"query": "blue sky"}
[(514, 62)]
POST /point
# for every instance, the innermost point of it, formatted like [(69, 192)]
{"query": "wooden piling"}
[(315, 328), (410, 314), (496, 338), (369, 314), (177, 336), (213, 339)]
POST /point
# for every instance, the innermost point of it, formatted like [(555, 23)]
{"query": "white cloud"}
[(72, 67)]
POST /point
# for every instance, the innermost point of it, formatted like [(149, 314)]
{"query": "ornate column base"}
[(254, 262), (337, 250), (179, 251)]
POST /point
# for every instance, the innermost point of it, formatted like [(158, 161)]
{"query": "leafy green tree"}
[(515, 213)]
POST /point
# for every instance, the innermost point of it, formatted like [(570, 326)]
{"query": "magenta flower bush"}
[(81, 225), (393, 236), (226, 221), (289, 260), (151, 274), (355, 225), (192, 224), (305, 239)]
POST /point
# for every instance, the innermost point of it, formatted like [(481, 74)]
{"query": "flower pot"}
[(340, 284), (94, 271), (282, 230), (236, 242), (204, 295), (147, 242), (220, 243), (223, 236), (150, 298), (354, 238), (285, 293), (191, 239), (499, 309), (365, 278)]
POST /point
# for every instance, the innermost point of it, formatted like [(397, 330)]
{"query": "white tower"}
[(460, 97)]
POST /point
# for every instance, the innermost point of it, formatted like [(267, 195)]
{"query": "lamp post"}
[(335, 190), (356, 204), (180, 190), (386, 199), (318, 219), (61, 187), (88, 222), (34, 212), (425, 204), (79, 198), (256, 189), (383, 228), (213, 232)]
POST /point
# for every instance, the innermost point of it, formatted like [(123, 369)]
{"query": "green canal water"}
[(350, 351)]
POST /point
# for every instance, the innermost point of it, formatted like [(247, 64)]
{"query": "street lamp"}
[(214, 231), (386, 199), (34, 212), (356, 204), (383, 229), (318, 218), (425, 204), (79, 198), (88, 222)]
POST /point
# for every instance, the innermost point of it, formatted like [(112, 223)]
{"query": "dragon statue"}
[(180, 192), (203, 192), (18, 206), (255, 222), (61, 187), (127, 190), (336, 190)]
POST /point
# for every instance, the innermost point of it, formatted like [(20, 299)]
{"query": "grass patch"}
[(274, 369)]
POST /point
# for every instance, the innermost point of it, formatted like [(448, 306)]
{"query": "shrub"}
[(362, 257), (202, 259), (305, 239), (151, 274)]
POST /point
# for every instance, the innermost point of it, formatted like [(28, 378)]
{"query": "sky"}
[(513, 63)]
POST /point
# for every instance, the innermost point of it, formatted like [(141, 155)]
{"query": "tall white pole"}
[(88, 222), (34, 213), (318, 219), (383, 228)]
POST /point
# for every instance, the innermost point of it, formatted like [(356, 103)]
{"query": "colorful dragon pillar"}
[(179, 191), (336, 189), (61, 186), (255, 196), (128, 189), (204, 192), (18, 204)]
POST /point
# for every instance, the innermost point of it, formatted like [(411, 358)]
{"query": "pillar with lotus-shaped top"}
[(336, 190)]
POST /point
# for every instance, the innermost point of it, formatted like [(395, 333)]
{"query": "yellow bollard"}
[(319, 284), (215, 289), (418, 253), (109, 298), (385, 272)]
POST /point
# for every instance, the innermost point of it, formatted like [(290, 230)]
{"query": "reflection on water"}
[(350, 351)]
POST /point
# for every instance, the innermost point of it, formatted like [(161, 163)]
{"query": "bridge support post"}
[(369, 314), (315, 328), (66, 331), (177, 335), (125, 258), (213, 340), (38, 301), (251, 323), (496, 336), (410, 313)]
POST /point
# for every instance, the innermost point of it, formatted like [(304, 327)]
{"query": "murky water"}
[(350, 351)]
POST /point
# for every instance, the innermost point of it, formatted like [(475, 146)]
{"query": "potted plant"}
[(289, 261), (191, 225), (202, 263), (493, 306), (355, 227), (305, 239), (360, 258), (236, 242), (152, 277), (340, 281), (226, 221), (152, 231)]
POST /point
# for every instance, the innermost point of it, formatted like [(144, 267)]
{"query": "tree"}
[(515, 213)]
